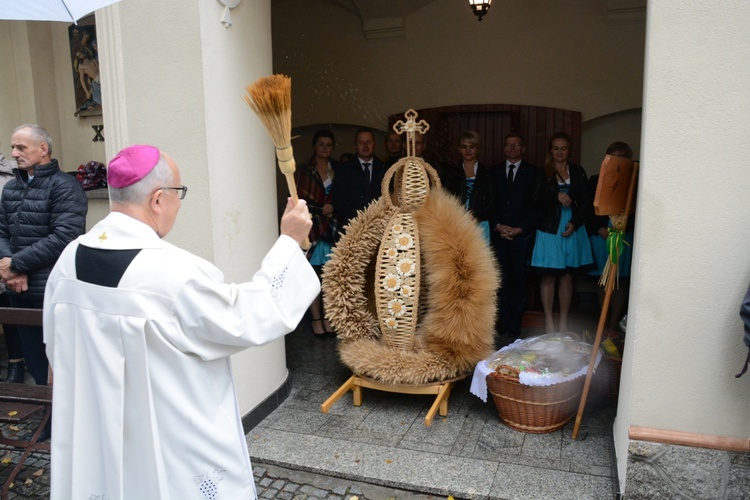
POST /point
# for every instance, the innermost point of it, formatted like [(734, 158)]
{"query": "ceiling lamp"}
[(480, 7)]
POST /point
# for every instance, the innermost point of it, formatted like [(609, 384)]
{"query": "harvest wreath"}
[(456, 278)]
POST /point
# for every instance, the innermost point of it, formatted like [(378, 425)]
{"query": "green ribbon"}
[(615, 242)]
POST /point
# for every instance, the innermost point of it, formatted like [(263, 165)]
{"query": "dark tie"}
[(509, 180), (366, 171)]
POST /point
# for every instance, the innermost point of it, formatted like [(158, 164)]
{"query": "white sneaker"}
[(623, 323)]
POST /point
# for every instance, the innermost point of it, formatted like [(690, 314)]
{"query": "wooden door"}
[(493, 121)]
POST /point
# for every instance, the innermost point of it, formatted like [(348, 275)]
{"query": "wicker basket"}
[(606, 381), (531, 409)]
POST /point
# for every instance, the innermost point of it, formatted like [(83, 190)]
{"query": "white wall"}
[(36, 86), (181, 90), (599, 133), (242, 168), (534, 52), (691, 264), (10, 112)]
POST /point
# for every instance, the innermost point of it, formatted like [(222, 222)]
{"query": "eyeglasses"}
[(181, 189), (513, 146)]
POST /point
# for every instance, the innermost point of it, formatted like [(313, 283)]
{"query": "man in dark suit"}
[(513, 231), (394, 148), (357, 182)]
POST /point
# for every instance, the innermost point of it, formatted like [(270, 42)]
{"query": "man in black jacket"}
[(42, 210)]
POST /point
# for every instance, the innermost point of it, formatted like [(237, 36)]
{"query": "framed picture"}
[(84, 59)]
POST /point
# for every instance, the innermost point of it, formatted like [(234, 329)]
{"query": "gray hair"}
[(37, 133), (135, 194)]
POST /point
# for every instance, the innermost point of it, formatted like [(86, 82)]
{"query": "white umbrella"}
[(50, 10)]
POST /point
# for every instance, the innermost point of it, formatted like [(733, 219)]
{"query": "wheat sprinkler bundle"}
[(271, 99)]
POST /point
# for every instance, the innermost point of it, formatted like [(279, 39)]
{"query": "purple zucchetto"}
[(131, 165)]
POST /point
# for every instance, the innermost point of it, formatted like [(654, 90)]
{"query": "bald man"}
[(139, 334)]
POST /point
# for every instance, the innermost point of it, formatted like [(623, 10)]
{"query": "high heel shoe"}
[(16, 372), (321, 333), (329, 331)]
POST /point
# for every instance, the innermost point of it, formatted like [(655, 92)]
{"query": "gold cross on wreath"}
[(411, 126)]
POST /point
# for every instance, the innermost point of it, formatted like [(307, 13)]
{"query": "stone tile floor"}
[(467, 454)]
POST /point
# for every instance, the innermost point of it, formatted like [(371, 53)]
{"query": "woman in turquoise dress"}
[(562, 247), (314, 181)]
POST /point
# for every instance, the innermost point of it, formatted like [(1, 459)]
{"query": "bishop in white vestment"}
[(139, 334)]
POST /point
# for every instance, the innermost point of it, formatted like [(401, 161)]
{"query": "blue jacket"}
[(38, 220)]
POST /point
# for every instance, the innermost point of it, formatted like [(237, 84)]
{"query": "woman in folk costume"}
[(314, 185), (562, 247), (471, 181)]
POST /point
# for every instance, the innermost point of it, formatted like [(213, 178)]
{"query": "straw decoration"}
[(270, 98)]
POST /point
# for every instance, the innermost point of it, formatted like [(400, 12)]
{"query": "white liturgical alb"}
[(144, 401)]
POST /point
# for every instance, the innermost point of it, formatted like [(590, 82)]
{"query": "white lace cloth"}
[(479, 380)]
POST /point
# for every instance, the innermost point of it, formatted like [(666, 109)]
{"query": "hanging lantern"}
[(480, 7)]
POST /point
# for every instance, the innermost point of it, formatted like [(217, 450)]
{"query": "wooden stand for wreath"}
[(441, 390)]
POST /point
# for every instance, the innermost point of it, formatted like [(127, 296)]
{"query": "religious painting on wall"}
[(85, 67)]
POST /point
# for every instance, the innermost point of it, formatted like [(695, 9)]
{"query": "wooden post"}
[(633, 181)]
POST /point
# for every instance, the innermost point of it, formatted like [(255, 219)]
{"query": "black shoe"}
[(321, 335), (16, 372)]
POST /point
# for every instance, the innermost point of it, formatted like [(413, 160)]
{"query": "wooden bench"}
[(18, 402)]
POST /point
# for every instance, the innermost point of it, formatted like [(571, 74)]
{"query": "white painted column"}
[(174, 76), (691, 264)]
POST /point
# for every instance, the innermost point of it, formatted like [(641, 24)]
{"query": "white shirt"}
[(369, 165)]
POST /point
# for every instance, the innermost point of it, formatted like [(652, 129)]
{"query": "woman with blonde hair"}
[(471, 181)]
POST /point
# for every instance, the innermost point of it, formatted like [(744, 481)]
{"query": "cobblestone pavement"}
[(33, 480), (286, 484)]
